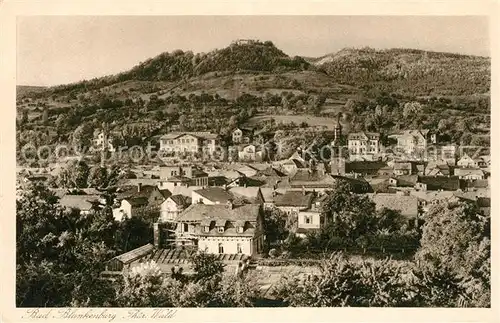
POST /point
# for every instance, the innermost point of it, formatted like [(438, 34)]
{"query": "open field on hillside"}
[(310, 120)]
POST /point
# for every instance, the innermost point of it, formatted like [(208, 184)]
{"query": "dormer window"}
[(239, 229), (220, 229), (207, 228)]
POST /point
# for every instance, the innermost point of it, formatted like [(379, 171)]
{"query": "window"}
[(185, 227), (238, 248), (240, 229), (207, 228), (307, 219), (221, 248), (220, 229)]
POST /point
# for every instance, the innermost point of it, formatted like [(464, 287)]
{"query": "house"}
[(438, 170), (294, 162), (428, 198), (125, 260), (251, 194), (84, 203), (448, 154), (152, 193), (211, 195), (222, 229), (292, 202), (189, 142), (130, 207), (103, 141), (244, 169), (196, 176), (483, 161), (406, 204), (242, 135), (402, 168), (269, 177), (413, 141), (474, 185), (469, 173), (437, 183), (467, 162), (268, 194), (310, 179), (364, 168), (250, 153), (172, 206), (363, 144), (301, 207), (403, 181)]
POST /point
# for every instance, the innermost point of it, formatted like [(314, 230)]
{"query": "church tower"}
[(337, 159), (337, 130)]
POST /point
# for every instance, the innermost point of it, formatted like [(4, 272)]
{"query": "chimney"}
[(303, 190), (229, 204), (139, 187)]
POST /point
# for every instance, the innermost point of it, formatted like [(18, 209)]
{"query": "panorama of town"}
[(247, 184)]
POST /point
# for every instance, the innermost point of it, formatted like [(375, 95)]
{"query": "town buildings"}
[(414, 141), (189, 142), (222, 228), (363, 145)]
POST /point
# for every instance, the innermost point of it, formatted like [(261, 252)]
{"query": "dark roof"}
[(484, 201), (137, 201), (364, 167), (135, 254), (195, 172), (165, 193), (220, 214), (269, 172), (294, 198), (477, 183), (215, 194), (402, 166), (451, 183), (357, 185), (406, 180), (133, 191), (180, 199)]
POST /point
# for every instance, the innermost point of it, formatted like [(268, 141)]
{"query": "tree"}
[(82, 137), (275, 225), (206, 266), (411, 109), (146, 286), (60, 254), (347, 215), (342, 282), (457, 236), (24, 117), (74, 175), (45, 116), (98, 177)]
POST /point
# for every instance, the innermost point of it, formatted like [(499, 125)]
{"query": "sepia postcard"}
[(249, 161)]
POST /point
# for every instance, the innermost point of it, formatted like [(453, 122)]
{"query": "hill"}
[(248, 55), (24, 90), (255, 83), (409, 71)]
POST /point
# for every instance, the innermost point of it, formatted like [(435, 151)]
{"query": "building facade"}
[(222, 229), (189, 142), (363, 144)]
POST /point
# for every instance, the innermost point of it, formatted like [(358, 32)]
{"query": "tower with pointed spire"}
[(337, 130)]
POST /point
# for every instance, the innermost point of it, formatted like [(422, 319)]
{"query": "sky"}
[(54, 50)]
